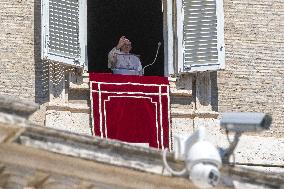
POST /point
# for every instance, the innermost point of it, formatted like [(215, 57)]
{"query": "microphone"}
[(159, 44)]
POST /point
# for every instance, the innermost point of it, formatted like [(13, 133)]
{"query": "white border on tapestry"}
[(160, 93), (155, 85), (161, 117), (155, 103)]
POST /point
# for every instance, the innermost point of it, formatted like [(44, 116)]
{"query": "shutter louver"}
[(200, 41), (64, 31), (64, 28)]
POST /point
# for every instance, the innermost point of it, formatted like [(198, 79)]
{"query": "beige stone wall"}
[(252, 81), (254, 76), (21, 70), (16, 43)]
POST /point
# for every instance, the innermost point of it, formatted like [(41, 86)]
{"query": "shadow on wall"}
[(214, 91), (41, 67)]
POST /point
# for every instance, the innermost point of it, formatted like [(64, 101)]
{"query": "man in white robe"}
[(121, 61)]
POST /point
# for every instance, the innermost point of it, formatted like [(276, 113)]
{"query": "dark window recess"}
[(141, 21)]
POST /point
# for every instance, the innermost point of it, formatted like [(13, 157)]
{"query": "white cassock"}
[(121, 63)]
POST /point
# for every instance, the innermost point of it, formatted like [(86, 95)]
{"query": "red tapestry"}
[(131, 108)]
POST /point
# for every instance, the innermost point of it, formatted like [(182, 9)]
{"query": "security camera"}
[(201, 157), (245, 121), (240, 122), (204, 175), (203, 161)]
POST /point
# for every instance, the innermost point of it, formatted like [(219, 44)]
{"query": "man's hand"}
[(120, 42)]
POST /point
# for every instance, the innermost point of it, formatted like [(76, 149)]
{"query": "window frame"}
[(168, 33)]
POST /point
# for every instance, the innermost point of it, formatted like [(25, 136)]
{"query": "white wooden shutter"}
[(64, 31), (202, 36)]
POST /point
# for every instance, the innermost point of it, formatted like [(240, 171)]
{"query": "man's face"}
[(126, 48)]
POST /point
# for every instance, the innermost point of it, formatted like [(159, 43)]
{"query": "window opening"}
[(140, 21)]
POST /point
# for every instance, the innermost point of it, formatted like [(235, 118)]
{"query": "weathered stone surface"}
[(247, 178), (17, 106), (83, 86), (181, 86), (20, 50), (42, 158), (72, 107), (69, 106), (182, 125), (38, 117), (76, 122), (43, 169), (8, 119), (254, 76)]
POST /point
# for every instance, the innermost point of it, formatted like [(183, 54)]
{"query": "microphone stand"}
[(159, 44)]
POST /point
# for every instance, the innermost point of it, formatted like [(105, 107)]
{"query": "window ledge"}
[(79, 108), (83, 86), (189, 113), (181, 92)]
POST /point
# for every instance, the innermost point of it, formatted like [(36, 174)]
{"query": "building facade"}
[(251, 81)]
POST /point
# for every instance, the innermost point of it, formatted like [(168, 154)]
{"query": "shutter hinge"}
[(77, 58), (76, 61), (187, 68), (45, 46), (46, 42)]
